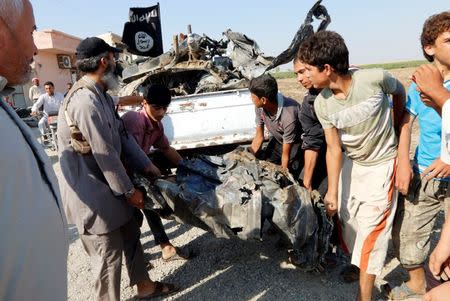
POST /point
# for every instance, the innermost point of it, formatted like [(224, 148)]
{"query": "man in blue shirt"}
[(423, 194)]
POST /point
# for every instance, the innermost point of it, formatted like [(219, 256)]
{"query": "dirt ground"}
[(229, 269)]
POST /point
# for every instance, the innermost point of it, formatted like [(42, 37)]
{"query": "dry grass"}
[(290, 87)]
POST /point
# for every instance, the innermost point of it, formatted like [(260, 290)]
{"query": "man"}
[(97, 194), (281, 117), (51, 101), (33, 239), (429, 83), (313, 140), (355, 113), (420, 204), (146, 127), (68, 86), (35, 90)]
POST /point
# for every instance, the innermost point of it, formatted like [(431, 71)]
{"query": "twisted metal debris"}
[(234, 195)]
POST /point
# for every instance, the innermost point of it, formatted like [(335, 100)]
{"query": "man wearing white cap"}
[(35, 90)]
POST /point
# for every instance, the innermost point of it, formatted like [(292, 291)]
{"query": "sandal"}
[(402, 292), (180, 254), (161, 289)]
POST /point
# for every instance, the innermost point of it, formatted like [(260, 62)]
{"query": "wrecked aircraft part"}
[(305, 31), (233, 195), (235, 58), (232, 61)]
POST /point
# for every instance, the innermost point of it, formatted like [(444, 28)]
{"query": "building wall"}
[(47, 69)]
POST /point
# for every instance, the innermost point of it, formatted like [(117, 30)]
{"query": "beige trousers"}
[(105, 252)]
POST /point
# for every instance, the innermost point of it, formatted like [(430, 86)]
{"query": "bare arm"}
[(308, 170), (285, 155), (37, 104), (404, 170), (440, 257), (334, 165), (172, 155), (257, 140)]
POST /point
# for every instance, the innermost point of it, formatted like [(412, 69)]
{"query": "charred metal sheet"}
[(235, 194), (305, 31)]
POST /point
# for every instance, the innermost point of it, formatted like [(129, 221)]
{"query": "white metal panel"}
[(210, 119)]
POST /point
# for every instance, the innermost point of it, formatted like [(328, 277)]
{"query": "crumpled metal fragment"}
[(304, 32), (233, 195)]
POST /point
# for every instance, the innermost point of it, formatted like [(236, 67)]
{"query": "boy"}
[(146, 127), (418, 208), (281, 117), (354, 111), (313, 140), (429, 82)]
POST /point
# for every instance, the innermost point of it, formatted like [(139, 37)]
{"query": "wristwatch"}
[(129, 193)]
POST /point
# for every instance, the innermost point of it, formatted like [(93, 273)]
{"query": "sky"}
[(375, 31)]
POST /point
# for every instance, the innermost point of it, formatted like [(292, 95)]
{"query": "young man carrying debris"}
[(281, 117), (355, 113), (147, 129), (427, 193), (313, 139)]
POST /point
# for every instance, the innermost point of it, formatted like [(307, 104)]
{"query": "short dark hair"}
[(325, 47), (90, 64), (158, 95), (264, 86), (49, 83), (432, 28)]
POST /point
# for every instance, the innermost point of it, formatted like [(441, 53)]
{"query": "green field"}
[(386, 66)]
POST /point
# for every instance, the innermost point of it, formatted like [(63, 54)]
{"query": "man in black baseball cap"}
[(93, 46), (97, 194), (89, 54)]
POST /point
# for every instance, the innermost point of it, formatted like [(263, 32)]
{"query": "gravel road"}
[(223, 269)]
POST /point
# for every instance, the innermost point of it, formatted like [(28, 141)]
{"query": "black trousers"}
[(156, 226), (153, 218)]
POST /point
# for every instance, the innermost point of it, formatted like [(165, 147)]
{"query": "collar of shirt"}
[(100, 88), (280, 100), (4, 90)]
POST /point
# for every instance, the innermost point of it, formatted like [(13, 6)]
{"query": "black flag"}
[(142, 34)]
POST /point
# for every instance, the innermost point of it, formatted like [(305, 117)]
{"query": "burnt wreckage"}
[(234, 194), (199, 64)]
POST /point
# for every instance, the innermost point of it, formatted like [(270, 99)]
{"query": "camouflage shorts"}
[(415, 218)]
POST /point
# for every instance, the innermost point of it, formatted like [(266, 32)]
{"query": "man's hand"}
[(137, 199), (429, 84), (331, 204), (152, 171), (403, 177), (437, 169), (33, 113), (440, 262), (307, 185), (439, 293)]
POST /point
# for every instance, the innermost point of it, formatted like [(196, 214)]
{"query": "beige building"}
[(54, 62)]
